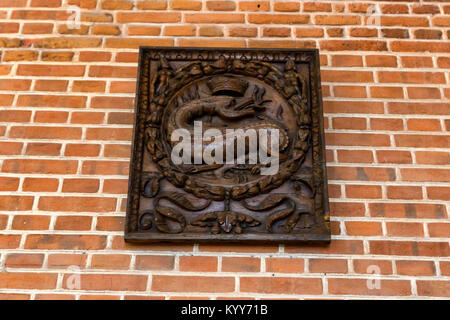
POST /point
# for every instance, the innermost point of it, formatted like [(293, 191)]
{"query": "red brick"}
[(254, 5), (285, 265), (10, 148), (22, 280), (433, 288), (346, 209), (88, 86), (419, 46), (194, 283), (63, 261), (21, 260), (52, 297), (432, 157), (411, 77), (350, 91), (355, 156), (40, 184), (82, 150), (117, 151), (422, 141), (80, 185), (110, 282), (112, 103), (237, 248), (51, 85), (390, 156), (353, 45), (94, 56), (87, 117), (123, 87), (350, 123), (415, 268), (336, 247), (148, 17), (37, 28), (120, 118), (198, 263), (309, 32), (110, 261), (71, 242), (73, 223), (6, 100), (360, 287), (282, 285), (361, 174), (16, 203), (404, 229), (77, 204), (404, 192), (28, 222), (445, 267), (51, 116), (180, 30), (51, 101), (115, 186), (363, 228), (409, 210), (23, 55), (356, 139), (109, 134), (9, 27), (45, 3), (9, 184), (14, 296), (439, 230), (367, 266), (102, 71), (395, 33), (418, 108), (346, 76), (337, 20), (363, 192), (15, 84), (424, 125), (15, 116), (275, 32), (98, 297), (381, 61), (240, 264), (262, 18), (154, 262), (286, 6), (50, 70), (328, 266), (9, 241), (105, 167), (64, 133), (110, 223), (408, 248), (386, 92)]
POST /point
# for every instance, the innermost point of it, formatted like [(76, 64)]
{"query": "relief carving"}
[(255, 105)]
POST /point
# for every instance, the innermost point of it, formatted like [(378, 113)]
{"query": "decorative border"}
[(321, 207)]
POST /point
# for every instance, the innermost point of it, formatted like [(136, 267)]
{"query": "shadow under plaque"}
[(248, 99)]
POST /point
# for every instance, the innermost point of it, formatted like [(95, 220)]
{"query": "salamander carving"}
[(217, 184)]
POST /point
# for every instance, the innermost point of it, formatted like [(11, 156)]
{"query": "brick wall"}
[(66, 108)]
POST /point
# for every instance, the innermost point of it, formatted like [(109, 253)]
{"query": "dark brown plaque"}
[(247, 101)]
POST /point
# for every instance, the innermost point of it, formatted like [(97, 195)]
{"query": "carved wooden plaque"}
[(228, 146)]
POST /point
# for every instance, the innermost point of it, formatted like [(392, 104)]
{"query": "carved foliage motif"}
[(228, 89)]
